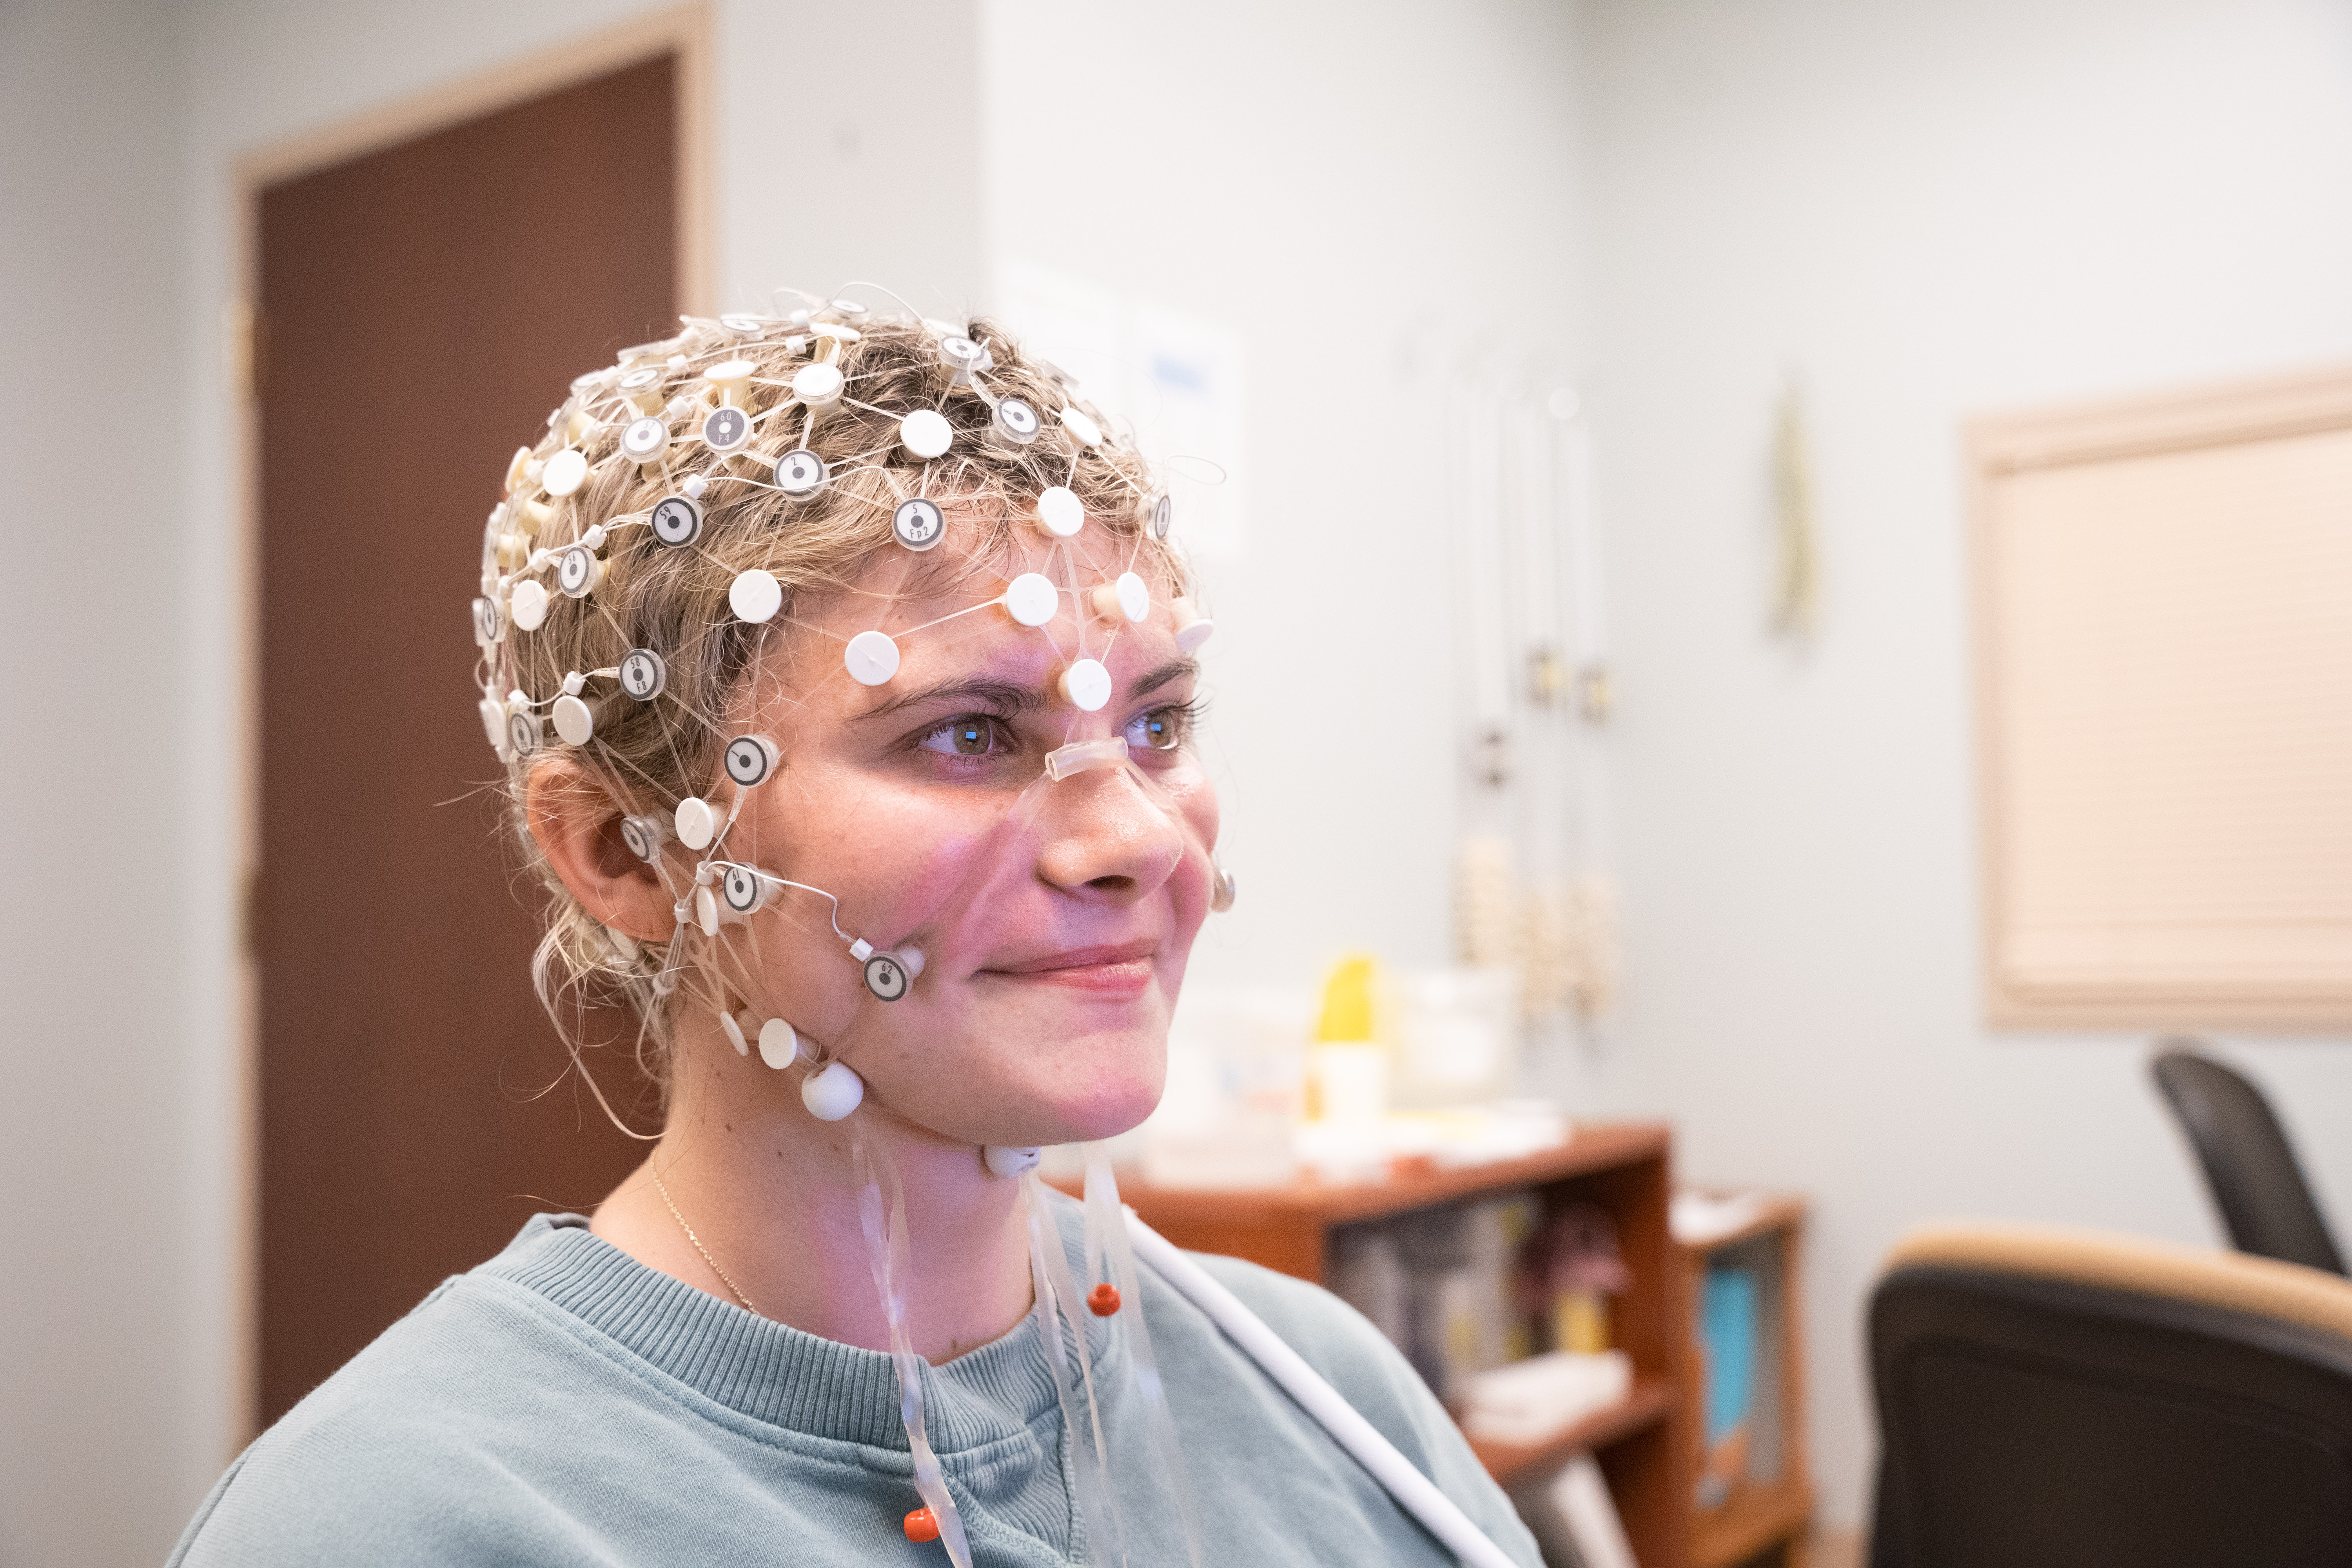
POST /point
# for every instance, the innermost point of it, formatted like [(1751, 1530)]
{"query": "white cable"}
[(1417, 1494)]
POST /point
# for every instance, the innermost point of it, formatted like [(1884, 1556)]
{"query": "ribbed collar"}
[(780, 1375)]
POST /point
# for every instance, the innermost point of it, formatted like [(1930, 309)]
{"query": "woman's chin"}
[(1061, 1113)]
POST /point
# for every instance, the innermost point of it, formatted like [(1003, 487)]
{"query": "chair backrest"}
[(2250, 1166), (2080, 1400)]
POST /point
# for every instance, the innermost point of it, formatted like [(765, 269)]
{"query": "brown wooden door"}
[(423, 308)]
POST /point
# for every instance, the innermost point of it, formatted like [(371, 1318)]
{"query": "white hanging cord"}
[(1415, 1492)]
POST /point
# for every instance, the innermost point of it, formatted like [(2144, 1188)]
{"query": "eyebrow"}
[(1012, 698)]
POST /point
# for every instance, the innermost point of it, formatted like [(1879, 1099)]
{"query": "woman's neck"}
[(772, 1195)]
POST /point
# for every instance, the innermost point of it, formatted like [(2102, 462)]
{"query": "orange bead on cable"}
[(922, 1525), (1103, 1300)]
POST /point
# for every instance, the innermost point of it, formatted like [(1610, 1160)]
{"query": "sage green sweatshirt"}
[(563, 1404)]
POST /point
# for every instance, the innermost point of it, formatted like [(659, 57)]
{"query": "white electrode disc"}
[(678, 521), (727, 429), (494, 723), (734, 1032), (1033, 599), (1010, 1163), (749, 759), (755, 596), (573, 721), (1060, 512), (871, 659), (1134, 596), (1016, 421), (577, 571), (780, 1044), (696, 822), (744, 326), (743, 889), (729, 377), (642, 834), (565, 472), (818, 385), (645, 440), (1189, 638), (925, 433), (886, 977), (800, 472), (917, 523), (1162, 512), (644, 674), (706, 912), (833, 1093), (528, 605), (1088, 685), (1084, 430)]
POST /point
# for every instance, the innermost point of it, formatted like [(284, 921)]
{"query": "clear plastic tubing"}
[(1413, 1490)]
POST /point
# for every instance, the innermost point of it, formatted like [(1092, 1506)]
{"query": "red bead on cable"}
[(1103, 1300), (922, 1525)]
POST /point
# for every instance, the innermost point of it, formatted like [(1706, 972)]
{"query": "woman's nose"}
[(1105, 833)]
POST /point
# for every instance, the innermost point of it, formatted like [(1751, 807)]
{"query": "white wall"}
[(1334, 183), (1925, 211), (92, 1355), (119, 126)]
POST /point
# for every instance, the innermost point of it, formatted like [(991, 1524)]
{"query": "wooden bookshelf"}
[(1759, 1522), (1642, 1443)]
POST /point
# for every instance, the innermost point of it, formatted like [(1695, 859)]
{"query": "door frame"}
[(684, 30)]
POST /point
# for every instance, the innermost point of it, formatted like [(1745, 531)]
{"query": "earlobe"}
[(580, 827)]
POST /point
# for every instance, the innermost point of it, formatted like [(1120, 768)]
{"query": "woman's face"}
[(1054, 918)]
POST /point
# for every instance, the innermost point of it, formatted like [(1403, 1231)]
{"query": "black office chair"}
[(2250, 1166), (2051, 1398)]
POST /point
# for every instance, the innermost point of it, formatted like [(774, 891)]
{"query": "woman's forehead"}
[(960, 627)]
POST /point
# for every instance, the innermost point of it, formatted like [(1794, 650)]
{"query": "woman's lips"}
[(1112, 967)]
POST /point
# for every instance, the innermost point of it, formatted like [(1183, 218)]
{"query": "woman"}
[(870, 791)]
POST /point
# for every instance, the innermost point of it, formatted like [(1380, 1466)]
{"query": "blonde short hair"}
[(650, 755)]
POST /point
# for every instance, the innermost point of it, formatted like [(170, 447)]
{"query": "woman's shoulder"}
[(436, 1442), (401, 1447)]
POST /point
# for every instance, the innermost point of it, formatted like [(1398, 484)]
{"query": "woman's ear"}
[(576, 824)]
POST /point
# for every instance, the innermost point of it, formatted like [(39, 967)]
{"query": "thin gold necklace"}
[(723, 1274)]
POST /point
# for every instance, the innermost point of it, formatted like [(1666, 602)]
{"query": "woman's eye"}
[(1161, 729), (971, 736)]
